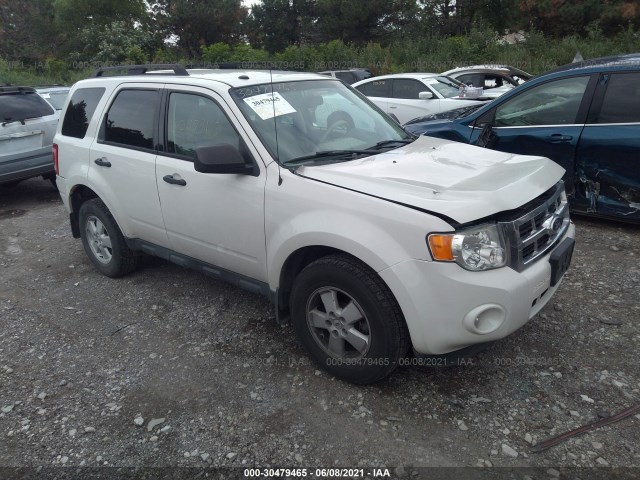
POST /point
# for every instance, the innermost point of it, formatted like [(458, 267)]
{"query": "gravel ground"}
[(169, 368)]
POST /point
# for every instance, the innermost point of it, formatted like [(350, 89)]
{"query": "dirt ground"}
[(169, 368)]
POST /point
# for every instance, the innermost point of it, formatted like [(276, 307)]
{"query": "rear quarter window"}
[(81, 108), (19, 106)]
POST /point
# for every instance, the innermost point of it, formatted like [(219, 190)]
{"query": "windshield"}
[(316, 120), (56, 99), (445, 86)]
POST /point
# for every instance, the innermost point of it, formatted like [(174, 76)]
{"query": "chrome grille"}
[(537, 231)]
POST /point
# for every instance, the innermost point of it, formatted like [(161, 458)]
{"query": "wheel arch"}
[(294, 264), (79, 194)]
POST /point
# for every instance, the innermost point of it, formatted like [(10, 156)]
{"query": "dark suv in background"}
[(27, 126)]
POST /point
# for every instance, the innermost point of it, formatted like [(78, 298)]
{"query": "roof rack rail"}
[(178, 70), (243, 65), (16, 89)]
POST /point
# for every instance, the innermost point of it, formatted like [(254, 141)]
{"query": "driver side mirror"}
[(425, 95), (221, 158), (487, 138)]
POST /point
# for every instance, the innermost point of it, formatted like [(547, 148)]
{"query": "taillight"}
[(55, 158)]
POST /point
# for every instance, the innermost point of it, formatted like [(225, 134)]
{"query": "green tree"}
[(194, 24), (115, 43), (26, 30), (363, 22), (560, 18), (77, 20), (277, 24)]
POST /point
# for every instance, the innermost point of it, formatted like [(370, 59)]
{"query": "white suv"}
[(295, 186)]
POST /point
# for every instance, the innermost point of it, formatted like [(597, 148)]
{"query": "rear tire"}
[(103, 241), (348, 320)]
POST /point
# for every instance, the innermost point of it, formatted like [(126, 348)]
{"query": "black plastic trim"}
[(178, 70), (247, 283)]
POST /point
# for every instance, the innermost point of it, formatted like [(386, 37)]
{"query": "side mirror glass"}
[(425, 95), (221, 158)]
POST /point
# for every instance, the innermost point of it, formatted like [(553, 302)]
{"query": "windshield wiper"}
[(351, 154), (385, 143)]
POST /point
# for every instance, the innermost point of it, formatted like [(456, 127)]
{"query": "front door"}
[(214, 218), (405, 102), (545, 120)]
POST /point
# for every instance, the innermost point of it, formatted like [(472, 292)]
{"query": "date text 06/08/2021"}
[(316, 472)]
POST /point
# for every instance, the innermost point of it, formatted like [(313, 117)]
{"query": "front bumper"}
[(448, 308)]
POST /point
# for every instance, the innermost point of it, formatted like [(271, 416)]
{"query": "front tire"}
[(103, 241), (348, 320)]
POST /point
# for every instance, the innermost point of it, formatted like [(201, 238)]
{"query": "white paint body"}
[(373, 208)]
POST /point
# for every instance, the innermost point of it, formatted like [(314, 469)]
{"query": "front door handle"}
[(559, 138), (102, 161), (174, 181)]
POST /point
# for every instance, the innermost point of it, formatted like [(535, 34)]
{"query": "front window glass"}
[(408, 89), (552, 103), (305, 118), (196, 121)]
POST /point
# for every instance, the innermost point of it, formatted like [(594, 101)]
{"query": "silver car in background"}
[(27, 125)]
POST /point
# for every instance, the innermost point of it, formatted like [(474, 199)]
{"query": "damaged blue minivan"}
[(585, 116)]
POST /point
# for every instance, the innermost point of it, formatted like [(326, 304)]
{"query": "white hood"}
[(461, 181)]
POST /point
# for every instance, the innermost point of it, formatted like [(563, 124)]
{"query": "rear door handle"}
[(103, 162), (174, 181), (559, 138)]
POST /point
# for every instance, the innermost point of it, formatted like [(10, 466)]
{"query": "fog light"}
[(485, 319)]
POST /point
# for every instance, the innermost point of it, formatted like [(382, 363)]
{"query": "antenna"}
[(275, 124)]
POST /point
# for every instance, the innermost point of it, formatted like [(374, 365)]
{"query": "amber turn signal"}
[(440, 247)]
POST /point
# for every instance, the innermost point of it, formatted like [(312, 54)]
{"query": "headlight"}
[(477, 248)]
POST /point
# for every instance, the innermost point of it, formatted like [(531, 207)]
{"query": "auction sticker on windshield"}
[(269, 105)]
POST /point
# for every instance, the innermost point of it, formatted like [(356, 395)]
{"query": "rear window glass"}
[(622, 100), (81, 107), (17, 106), (130, 119)]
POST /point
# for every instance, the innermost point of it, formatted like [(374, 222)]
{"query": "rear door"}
[(543, 120), (122, 165), (608, 157)]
